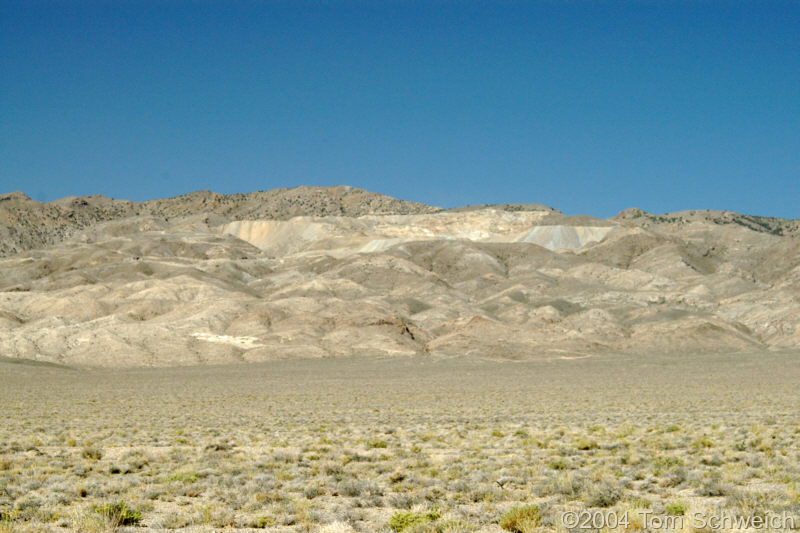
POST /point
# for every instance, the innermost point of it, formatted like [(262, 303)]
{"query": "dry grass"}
[(397, 445)]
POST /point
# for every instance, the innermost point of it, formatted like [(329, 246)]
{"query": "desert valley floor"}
[(399, 444)]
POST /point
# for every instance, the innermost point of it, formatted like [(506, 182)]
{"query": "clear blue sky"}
[(590, 107)]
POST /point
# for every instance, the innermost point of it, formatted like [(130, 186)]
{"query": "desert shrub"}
[(351, 488), (674, 477), (585, 444), (312, 491), (522, 519), (92, 453), (676, 508), (352, 456), (119, 513), (714, 460), (703, 442), (753, 460), (558, 464), (333, 468), (401, 500), (750, 502), (639, 503), (262, 522), (446, 526), (711, 486), (666, 461), (28, 505), (286, 457), (175, 521), (263, 482), (568, 483), (483, 493), (605, 493), (216, 516), (359, 487), (183, 477), (408, 520), (219, 446)]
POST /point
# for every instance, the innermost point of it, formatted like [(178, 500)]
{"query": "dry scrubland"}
[(410, 444)]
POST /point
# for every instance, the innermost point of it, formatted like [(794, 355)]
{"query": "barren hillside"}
[(26, 224), (322, 272)]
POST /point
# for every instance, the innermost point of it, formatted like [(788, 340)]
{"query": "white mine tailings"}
[(370, 234)]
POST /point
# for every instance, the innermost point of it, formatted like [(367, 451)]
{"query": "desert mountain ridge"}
[(337, 271)]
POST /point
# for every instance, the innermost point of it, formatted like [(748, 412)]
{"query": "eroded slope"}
[(530, 283)]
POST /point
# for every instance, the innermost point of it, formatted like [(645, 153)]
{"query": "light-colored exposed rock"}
[(372, 234)]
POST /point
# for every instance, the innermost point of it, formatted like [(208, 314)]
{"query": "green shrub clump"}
[(119, 513), (675, 508), (183, 477), (522, 519), (409, 520)]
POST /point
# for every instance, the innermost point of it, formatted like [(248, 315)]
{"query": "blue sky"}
[(590, 107)]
